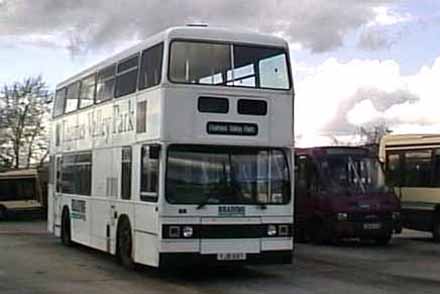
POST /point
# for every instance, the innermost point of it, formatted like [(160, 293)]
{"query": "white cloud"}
[(336, 98), (362, 113), (318, 25), (385, 16)]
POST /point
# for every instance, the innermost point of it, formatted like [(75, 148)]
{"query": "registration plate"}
[(373, 226), (231, 256)]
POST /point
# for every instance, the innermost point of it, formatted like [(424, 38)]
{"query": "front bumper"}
[(352, 229), (190, 259)]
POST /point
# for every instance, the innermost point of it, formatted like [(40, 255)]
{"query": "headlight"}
[(342, 216), (187, 232), (396, 215), (271, 230)]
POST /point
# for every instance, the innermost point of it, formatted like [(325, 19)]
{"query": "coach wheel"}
[(125, 244), (300, 235), (320, 233), (3, 213), (66, 236), (384, 240), (436, 229)]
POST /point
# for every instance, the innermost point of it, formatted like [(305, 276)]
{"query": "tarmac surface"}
[(32, 261)]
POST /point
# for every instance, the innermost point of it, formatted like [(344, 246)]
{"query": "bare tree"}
[(372, 135), (23, 119)]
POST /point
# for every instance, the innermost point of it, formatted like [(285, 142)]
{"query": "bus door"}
[(56, 211)]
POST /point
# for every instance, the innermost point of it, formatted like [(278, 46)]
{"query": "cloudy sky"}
[(356, 62)]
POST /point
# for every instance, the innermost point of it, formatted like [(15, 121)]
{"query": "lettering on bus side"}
[(78, 209), (231, 211), (100, 124)]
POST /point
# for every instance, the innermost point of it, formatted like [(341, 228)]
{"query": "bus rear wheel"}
[(436, 229), (66, 234), (125, 244)]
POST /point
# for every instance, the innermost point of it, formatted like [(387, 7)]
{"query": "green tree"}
[(24, 114)]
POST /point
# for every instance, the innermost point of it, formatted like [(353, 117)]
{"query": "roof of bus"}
[(324, 150), (411, 139), (187, 32), (408, 141)]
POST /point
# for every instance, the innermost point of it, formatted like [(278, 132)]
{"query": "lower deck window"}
[(126, 173), (76, 175), (149, 175)]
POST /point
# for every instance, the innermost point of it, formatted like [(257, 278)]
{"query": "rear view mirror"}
[(154, 151)]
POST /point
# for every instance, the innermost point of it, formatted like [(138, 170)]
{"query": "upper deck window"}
[(72, 97), (259, 67), (106, 84), (200, 63), (60, 98), (87, 93), (126, 79), (229, 65), (151, 67)]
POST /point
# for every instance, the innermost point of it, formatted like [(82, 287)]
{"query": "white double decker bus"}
[(177, 151)]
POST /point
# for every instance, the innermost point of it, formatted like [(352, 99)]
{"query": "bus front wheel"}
[(66, 235), (125, 244)]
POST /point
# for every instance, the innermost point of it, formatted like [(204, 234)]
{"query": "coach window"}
[(106, 84), (126, 173), (151, 67), (60, 99), (149, 172), (394, 169), (72, 97), (418, 168), (87, 92), (126, 76)]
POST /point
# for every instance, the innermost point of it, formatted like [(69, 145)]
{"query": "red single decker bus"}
[(341, 193)]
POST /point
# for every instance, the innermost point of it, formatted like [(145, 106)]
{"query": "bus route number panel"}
[(229, 128)]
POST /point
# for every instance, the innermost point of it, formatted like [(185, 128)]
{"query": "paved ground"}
[(33, 262)]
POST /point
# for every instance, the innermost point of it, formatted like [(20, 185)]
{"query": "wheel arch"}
[(121, 219)]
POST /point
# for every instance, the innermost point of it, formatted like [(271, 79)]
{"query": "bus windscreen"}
[(353, 174), (225, 175)]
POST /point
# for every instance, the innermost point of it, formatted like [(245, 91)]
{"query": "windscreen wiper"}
[(202, 204), (205, 202)]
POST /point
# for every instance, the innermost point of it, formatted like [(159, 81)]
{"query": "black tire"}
[(66, 233), (320, 233), (436, 228), (3, 213), (384, 240), (124, 248), (300, 235)]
